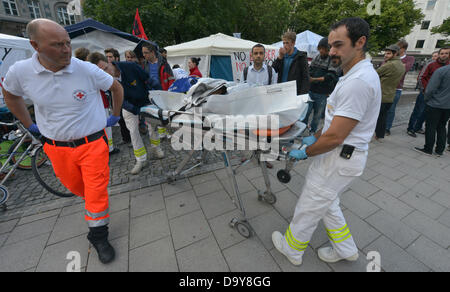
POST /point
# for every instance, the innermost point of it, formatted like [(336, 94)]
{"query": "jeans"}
[(391, 113), (318, 105), (380, 130), (435, 131), (417, 117)]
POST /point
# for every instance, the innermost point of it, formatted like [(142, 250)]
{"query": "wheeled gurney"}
[(203, 109)]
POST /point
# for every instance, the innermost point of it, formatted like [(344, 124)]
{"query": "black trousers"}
[(124, 130), (448, 134), (435, 132), (380, 130)]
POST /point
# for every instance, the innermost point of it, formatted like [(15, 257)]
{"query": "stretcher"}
[(214, 111)]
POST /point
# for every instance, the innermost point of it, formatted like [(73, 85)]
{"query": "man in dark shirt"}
[(292, 64), (323, 80)]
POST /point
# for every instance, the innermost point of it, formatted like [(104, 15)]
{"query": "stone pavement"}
[(400, 208)]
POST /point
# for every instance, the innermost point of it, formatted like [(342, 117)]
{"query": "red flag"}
[(138, 29)]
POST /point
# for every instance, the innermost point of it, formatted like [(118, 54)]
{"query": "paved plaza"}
[(399, 207)]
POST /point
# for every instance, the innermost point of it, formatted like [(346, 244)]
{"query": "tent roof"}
[(9, 41), (217, 44), (89, 25)]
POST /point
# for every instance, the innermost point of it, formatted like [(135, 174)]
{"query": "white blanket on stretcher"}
[(241, 103)]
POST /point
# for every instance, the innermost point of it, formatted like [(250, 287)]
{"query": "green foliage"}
[(443, 29), (171, 22), (396, 20)]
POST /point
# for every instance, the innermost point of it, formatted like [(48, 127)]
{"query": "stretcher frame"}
[(286, 142)]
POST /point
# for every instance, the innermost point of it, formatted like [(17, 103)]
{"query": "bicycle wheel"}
[(26, 162), (43, 172)]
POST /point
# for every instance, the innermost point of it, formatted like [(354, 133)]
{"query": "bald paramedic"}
[(70, 116)]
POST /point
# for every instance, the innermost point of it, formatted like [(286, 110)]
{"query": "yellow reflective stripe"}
[(110, 142), (296, 241), (140, 152), (340, 229), (162, 130), (348, 236), (340, 236), (293, 243), (155, 142)]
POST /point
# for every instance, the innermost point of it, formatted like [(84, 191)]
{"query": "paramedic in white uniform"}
[(351, 116)]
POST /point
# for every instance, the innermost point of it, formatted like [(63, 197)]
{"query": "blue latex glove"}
[(298, 154), (112, 120), (308, 141), (34, 129)]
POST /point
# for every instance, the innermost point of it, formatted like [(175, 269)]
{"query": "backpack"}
[(269, 70)]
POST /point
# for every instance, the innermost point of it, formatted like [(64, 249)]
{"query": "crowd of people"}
[(78, 100)]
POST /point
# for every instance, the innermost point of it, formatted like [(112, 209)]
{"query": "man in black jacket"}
[(292, 64), (134, 81)]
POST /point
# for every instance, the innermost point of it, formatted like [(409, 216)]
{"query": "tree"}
[(443, 29), (396, 20)]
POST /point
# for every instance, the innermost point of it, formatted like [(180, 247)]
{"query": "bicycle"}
[(28, 146)]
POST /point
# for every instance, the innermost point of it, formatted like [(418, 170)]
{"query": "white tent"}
[(306, 41), (222, 56), (12, 49)]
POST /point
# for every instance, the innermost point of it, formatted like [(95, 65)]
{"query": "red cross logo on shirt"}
[(79, 95)]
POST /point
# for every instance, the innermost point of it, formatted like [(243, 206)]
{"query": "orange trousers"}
[(84, 171)]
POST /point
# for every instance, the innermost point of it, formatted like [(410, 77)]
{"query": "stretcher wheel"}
[(284, 176), (243, 229), (4, 194), (267, 197)]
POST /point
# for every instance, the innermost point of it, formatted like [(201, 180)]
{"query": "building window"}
[(63, 17), (35, 10), (441, 44), (425, 24), (419, 44), (10, 7), (431, 4)]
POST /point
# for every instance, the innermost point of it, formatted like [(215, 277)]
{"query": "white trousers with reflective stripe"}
[(109, 132), (328, 177), (132, 123)]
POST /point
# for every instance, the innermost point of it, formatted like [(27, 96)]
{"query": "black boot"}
[(98, 237)]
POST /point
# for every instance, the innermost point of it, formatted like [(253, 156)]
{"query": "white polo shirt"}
[(357, 96), (67, 103)]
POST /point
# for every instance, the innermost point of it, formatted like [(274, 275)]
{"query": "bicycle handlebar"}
[(10, 124)]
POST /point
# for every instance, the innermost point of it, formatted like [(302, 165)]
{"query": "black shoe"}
[(115, 151), (420, 132), (439, 154), (412, 134), (105, 251), (388, 133), (423, 151)]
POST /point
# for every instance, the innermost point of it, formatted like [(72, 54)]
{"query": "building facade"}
[(421, 41), (15, 14)]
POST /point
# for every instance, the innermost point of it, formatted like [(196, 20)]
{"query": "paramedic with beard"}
[(351, 116)]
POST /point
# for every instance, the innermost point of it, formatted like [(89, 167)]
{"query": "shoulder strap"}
[(245, 73), (269, 70)]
